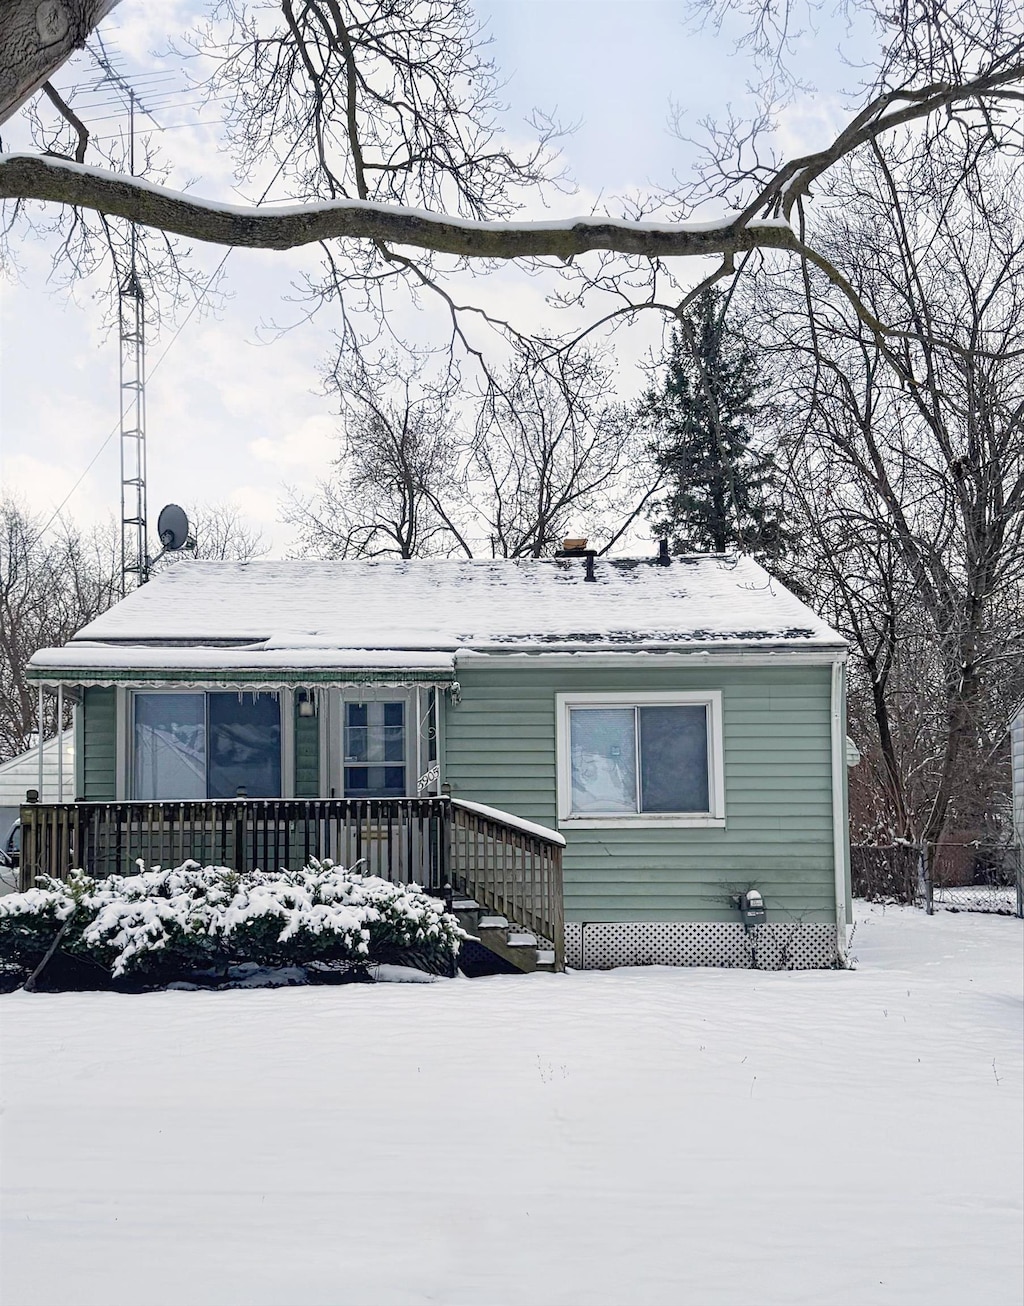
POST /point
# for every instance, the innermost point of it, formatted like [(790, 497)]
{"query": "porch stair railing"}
[(505, 876), (514, 873)]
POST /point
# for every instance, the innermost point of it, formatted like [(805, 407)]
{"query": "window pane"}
[(674, 759), (603, 753), (245, 745), (375, 732), (375, 782), (394, 744), (357, 781), (356, 733), (170, 747)]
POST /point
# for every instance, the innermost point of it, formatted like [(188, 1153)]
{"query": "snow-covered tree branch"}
[(34, 177)]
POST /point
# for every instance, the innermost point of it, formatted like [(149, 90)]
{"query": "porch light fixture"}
[(306, 705)]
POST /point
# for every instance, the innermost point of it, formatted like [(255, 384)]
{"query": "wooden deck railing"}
[(434, 842), (399, 839)]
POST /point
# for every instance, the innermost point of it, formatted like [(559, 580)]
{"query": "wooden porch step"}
[(519, 947)]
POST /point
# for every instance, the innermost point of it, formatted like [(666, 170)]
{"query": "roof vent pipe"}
[(663, 555)]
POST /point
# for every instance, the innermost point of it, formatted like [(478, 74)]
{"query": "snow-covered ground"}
[(715, 1138)]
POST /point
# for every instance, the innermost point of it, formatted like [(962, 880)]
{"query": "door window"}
[(375, 750)]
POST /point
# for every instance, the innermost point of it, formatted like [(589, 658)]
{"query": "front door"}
[(382, 743)]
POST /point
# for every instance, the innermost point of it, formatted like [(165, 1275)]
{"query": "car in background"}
[(11, 847), (10, 855)]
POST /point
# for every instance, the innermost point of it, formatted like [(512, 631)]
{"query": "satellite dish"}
[(172, 528)]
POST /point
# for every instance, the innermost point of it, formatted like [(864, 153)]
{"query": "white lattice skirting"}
[(792, 946)]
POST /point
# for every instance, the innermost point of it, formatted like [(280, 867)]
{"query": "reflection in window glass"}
[(631, 760), (356, 732), (603, 759), (673, 759), (244, 745), (170, 747)]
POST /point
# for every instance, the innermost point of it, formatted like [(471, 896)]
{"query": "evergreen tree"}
[(721, 489)]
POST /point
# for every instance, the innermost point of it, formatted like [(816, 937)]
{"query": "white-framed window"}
[(642, 759)]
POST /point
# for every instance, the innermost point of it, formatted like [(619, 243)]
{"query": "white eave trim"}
[(718, 657)]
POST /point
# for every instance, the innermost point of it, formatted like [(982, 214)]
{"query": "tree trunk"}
[(36, 37)]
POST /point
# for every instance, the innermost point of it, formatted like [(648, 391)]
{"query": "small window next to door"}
[(375, 750)]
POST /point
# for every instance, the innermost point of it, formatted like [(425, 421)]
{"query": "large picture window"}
[(640, 759), (190, 746)]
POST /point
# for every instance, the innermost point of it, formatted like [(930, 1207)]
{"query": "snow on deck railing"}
[(506, 818)]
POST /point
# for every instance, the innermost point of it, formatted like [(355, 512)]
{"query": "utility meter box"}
[(751, 906)]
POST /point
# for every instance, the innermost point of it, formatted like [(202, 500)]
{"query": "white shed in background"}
[(21, 773)]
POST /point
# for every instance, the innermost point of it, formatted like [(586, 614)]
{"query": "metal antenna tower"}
[(131, 315)]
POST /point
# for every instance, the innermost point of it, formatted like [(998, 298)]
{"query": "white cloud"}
[(43, 485), (308, 447), (809, 124)]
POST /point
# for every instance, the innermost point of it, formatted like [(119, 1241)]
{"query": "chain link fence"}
[(965, 877)]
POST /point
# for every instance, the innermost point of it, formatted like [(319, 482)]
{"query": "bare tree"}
[(50, 586), (371, 111), (55, 581), (397, 487), (428, 468), (85, 243), (220, 534), (37, 38), (909, 461), (553, 455)]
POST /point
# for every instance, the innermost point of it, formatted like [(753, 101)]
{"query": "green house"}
[(650, 743)]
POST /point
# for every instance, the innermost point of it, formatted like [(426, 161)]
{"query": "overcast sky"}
[(236, 412)]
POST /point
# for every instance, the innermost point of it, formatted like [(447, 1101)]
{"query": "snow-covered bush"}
[(29, 921), (165, 924)]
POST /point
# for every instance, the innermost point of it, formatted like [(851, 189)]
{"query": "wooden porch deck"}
[(449, 849)]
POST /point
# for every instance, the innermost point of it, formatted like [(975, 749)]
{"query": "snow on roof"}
[(298, 607)]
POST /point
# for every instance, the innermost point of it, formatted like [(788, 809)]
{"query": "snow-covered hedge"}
[(167, 924)]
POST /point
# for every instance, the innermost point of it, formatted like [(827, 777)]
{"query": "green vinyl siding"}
[(307, 755), (500, 750), (99, 745)]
